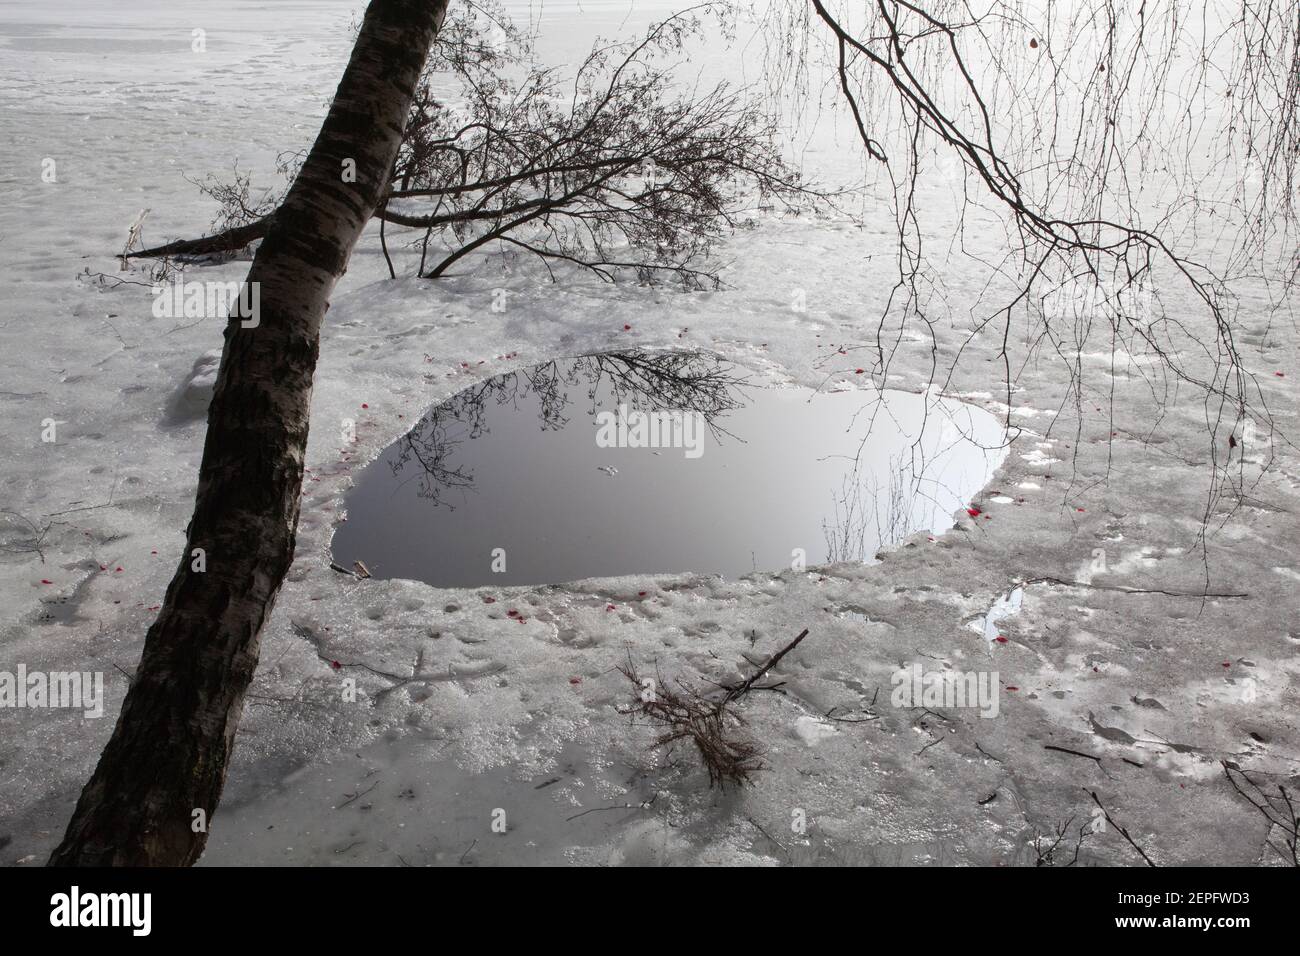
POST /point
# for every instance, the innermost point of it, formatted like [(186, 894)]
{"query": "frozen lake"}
[(459, 711)]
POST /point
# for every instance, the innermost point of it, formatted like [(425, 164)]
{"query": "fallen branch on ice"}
[(686, 713)]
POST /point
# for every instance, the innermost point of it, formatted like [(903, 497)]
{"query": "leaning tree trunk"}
[(168, 755)]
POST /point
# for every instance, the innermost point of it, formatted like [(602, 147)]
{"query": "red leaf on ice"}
[(1227, 663), (627, 328), (1000, 639), (609, 607), (46, 581), (1079, 509), (1279, 374), (640, 593), (1033, 44), (859, 371), (512, 612), (336, 665), (489, 600), (364, 405), (974, 512), (575, 680), (1009, 687)]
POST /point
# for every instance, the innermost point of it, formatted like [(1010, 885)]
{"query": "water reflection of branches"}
[(683, 381), (902, 507), (857, 505)]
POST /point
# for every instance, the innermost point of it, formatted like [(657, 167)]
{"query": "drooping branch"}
[(1095, 133), (612, 171)]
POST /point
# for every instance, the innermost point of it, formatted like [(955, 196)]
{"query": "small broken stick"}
[(740, 690)]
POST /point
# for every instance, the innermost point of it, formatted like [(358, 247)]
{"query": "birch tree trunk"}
[(163, 770)]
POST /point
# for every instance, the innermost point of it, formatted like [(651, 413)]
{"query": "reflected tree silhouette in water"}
[(676, 381)]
